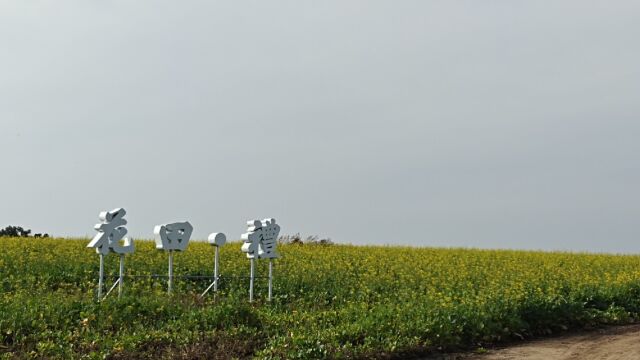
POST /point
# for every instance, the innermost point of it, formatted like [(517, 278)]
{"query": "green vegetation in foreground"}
[(331, 301)]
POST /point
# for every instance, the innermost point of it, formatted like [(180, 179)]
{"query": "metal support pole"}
[(111, 289), (270, 278), (170, 271), (100, 279), (121, 278), (251, 279), (215, 270), (216, 274)]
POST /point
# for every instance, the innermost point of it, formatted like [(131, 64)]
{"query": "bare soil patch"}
[(614, 343)]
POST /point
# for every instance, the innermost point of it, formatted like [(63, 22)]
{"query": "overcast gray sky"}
[(494, 124)]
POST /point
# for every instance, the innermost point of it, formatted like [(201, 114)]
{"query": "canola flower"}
[(335, 301)]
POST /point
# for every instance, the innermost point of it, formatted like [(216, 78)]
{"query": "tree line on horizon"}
[(19, 231)]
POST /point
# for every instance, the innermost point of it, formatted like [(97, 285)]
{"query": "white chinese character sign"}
[(173, 236), (110, 231), (261, 238), (170, 237), (260, 242)]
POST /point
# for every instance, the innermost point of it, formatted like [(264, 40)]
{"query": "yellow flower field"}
[(333, 301)]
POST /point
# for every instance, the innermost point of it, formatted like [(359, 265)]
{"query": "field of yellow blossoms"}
[(333, 301)]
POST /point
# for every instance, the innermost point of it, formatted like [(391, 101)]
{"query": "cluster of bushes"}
[(298, 240), (18, 231)]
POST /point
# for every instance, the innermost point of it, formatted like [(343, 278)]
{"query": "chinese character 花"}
[(110, 232)]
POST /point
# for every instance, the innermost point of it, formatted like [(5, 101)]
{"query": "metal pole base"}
[(170, 282), (251, 277), (270, 279)]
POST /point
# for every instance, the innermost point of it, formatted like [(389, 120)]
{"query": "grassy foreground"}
[(330, 301)]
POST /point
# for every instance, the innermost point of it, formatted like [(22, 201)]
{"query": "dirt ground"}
[(619, 343)]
